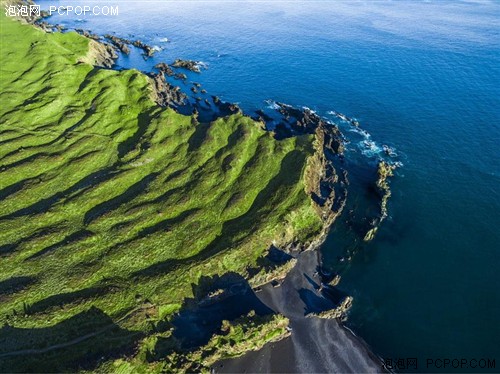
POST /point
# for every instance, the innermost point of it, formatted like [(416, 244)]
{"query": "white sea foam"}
[(271, 104), (309, 109), (201, 65), (366, 145)]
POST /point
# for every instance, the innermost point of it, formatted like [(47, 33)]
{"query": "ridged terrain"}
[(112, 208)]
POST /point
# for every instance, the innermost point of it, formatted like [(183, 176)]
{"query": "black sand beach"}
[(316, 345)]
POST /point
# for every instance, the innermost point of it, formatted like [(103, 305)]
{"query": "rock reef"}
[(190, 65), (165, 68), (148, 51), (164, 93), (385, 170), (120, 43)]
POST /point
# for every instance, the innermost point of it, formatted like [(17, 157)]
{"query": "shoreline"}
[(316, 344)]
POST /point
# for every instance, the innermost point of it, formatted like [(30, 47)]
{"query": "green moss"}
[(245, 334), (110, 202)]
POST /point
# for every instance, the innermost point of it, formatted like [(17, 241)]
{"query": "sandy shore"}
[(316, 345)]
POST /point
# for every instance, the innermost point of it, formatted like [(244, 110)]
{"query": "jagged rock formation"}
[(88, 34), (339, 312), (165, 68), (120, 43), (385, 170), (148, 51), (190, 65), (164, 93)]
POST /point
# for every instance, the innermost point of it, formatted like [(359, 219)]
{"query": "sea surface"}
[(422, 77)]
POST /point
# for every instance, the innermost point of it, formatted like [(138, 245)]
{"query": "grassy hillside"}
[(112, 208)]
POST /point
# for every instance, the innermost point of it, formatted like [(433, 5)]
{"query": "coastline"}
[(316, 345), (359, 358), (410, 89)]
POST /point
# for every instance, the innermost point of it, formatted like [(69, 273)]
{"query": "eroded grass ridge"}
[(112, 208)]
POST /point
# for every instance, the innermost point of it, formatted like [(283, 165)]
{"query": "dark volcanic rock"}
[(187, 64), (263, 116), (165, 93), (148, 50), (120, 43), (181, 76), (225, 108), (305, 121), (165, 68), (88, 34)]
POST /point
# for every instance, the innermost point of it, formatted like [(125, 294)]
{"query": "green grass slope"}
[(111, 207)]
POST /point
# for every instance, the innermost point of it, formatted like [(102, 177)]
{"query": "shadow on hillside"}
[(61, 300), (237, 229), (77, 343), (217, 298), (15, 284)]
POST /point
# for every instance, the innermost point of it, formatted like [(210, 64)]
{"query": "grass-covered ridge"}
[(112, 207)]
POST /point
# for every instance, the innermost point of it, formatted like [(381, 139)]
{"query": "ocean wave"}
[(309, 109), (271, 104), (362, 140), (202, 65)]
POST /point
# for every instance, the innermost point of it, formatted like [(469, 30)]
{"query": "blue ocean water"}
[(420, 76)]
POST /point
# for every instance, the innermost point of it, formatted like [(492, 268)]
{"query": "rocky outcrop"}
[(304, 121), (148, 51), (339, 312), (272, 268), (165, 68), (88, 34), (164, 93), (100, 54), (190, 65), (385, 170), (120, 43), (343, 117)]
